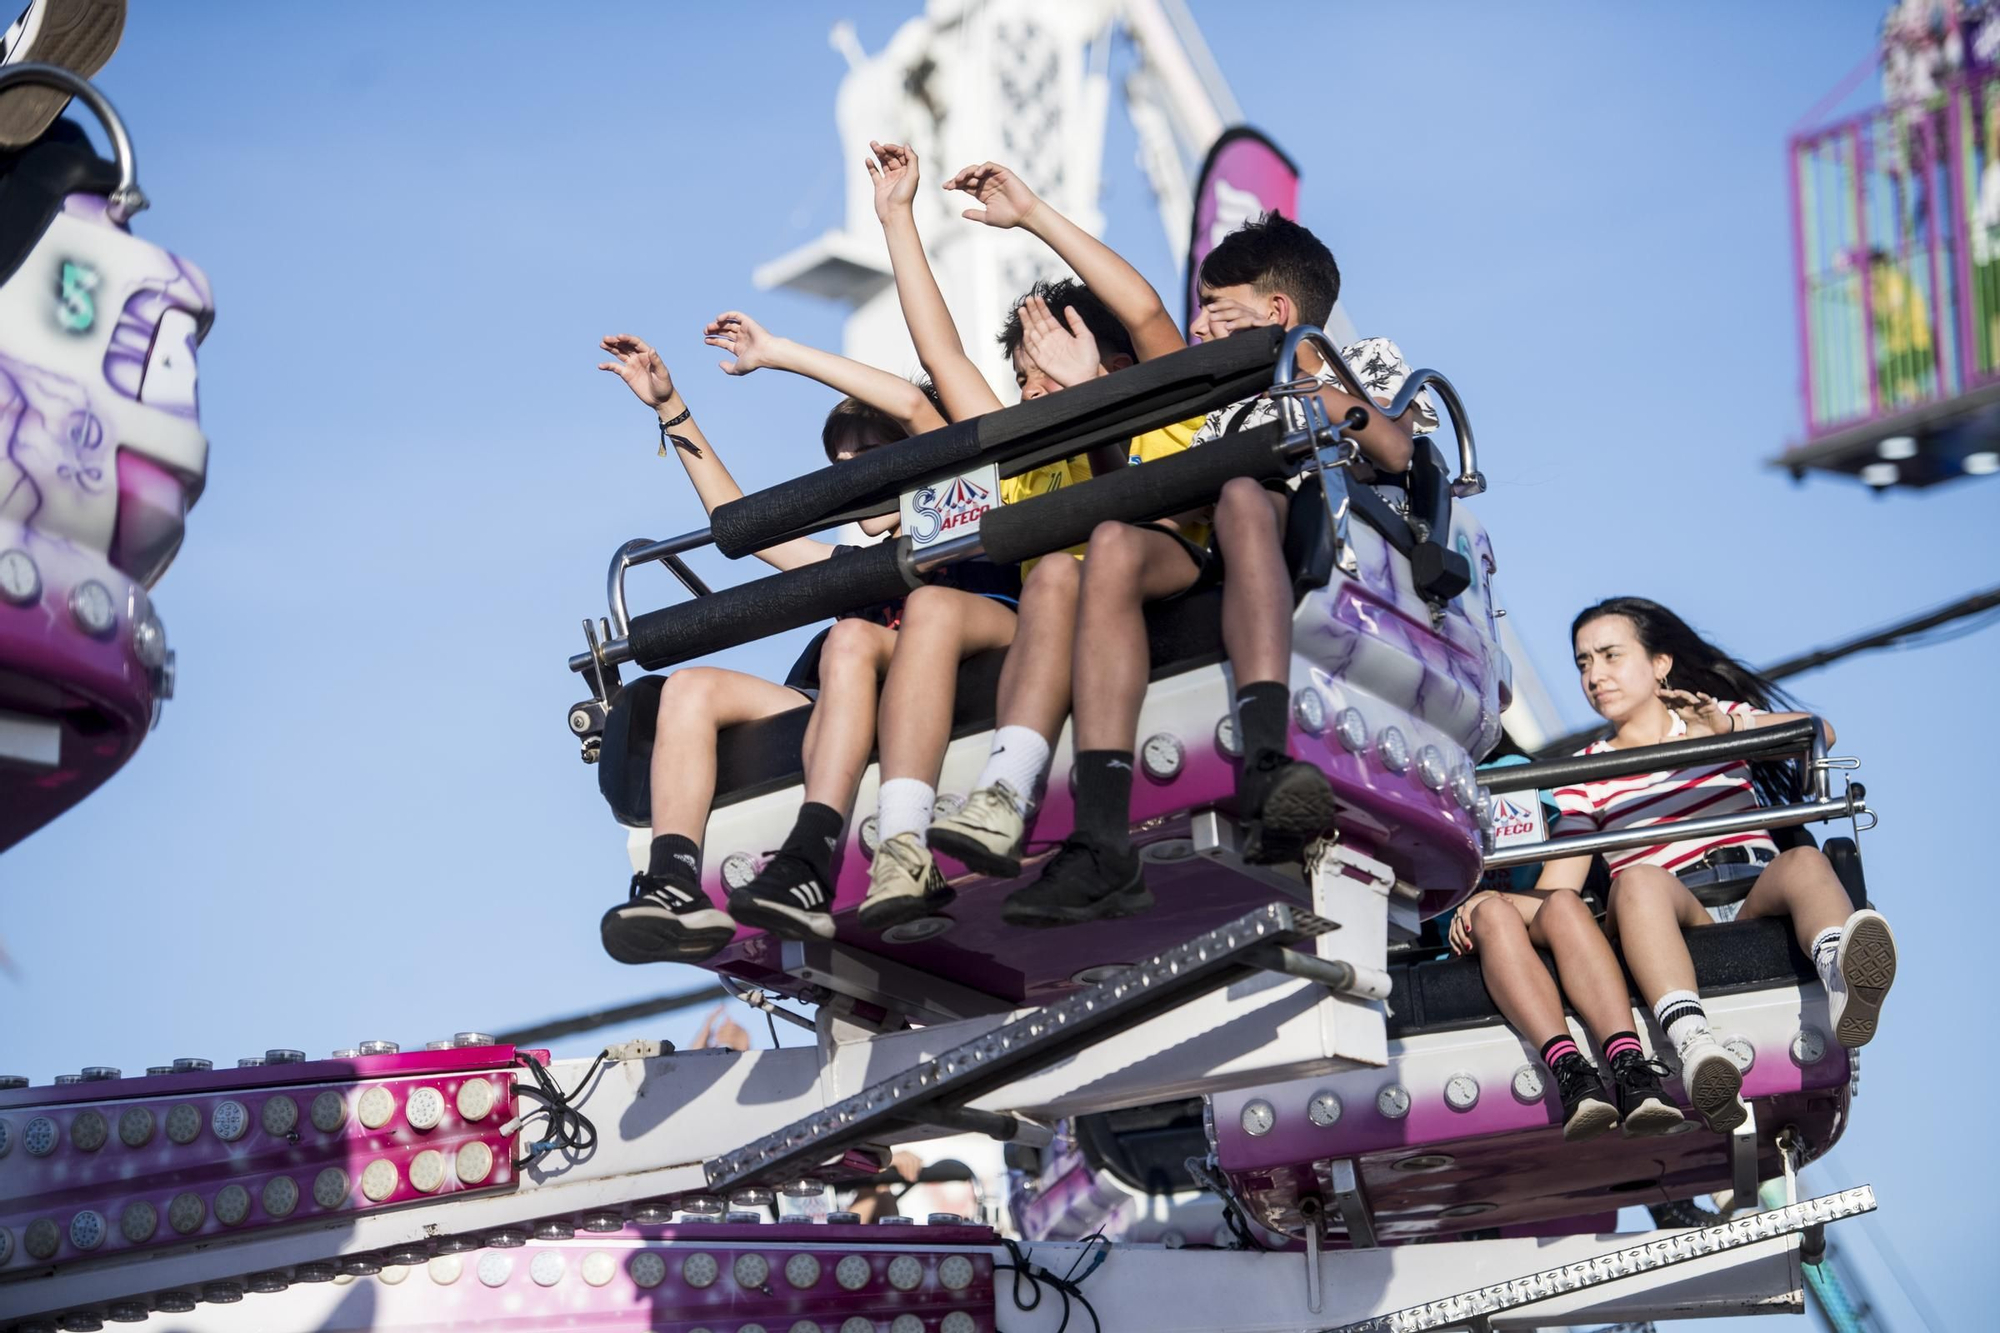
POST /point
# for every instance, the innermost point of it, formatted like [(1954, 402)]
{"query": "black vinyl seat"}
[(35, 180)]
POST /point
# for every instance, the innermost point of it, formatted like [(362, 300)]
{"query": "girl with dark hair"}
[(1654, 679)]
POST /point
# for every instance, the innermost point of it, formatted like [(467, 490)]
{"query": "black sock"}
[(815, 838), (1104, 798), (1261, 714), (675, 858)]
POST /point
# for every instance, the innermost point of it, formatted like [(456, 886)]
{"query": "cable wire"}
[(568, 1129)]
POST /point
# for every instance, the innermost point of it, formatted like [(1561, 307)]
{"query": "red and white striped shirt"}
[(1653, 798)]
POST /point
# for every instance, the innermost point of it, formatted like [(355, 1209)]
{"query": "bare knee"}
[(1565, 910), (851, 645), (929, 608), (1114, 550), (1495, 921), (688, 693), (1054, 578), (1802, 861), (1243, 507), (1642, 888)]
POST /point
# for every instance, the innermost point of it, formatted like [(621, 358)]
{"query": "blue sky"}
[(363, 815)]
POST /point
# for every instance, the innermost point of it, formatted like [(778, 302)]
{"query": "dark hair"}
[(1275, 254), (854, 423), (1112, 338), (1702, 668)]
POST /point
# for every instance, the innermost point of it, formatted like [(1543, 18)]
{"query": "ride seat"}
[(35, 180), (763, 756)]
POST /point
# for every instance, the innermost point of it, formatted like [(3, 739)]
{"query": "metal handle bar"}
[(1470, 481), (1852, 805), (639, 551), (127, 199), (1805, 735)]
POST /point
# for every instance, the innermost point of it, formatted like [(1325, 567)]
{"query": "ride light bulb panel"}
[(232, 1151)]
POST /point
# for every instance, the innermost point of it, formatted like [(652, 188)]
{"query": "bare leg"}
[(695, 704), (1126, 568), (1649, 909), (1034, 682), (1520, 985), (1802, 885), (842, 732), (941, 628), (1257, 596)]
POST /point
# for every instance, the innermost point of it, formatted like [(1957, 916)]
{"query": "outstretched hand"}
[(745, 339), (1067, 355), (893, 169), (635, 362), (1008, 200), (1701, 712), (1220, 316)]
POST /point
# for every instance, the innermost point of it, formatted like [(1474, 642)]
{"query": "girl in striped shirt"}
[(1648, 674)]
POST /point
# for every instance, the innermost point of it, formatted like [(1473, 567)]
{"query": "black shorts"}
[(1207, 561)]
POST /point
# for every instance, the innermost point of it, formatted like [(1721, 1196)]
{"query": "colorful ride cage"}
[(1896, 247)]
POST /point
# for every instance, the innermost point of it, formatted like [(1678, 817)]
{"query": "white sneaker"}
[(1863, 970), (1712, 1081), (985, 835), (78, 35), (904, 883)]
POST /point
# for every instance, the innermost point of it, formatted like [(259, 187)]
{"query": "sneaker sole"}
[(792, 923), (664, 947), (974, 855), (1589, 1120), (1295, 812), (79, 35), (883, 914), (1867, 961), (1713, 1087), (1652, 1118), (1132, 900)]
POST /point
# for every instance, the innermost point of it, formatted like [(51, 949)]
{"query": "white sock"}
[(1019, 758), (903, 806), (1681, 1015), (1826, 953)]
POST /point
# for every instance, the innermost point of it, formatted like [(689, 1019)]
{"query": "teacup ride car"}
[(101, 456)]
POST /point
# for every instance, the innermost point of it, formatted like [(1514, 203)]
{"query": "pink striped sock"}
[(1619, 1043), (1559, 1048)]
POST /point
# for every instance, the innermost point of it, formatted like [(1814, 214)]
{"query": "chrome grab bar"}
[(1470, 481), (1852, 805), (127, 198), (639, 551)]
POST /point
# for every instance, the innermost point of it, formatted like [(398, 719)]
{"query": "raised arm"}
[(1008, 202), (962, 389), (754, 348), (635, 362)]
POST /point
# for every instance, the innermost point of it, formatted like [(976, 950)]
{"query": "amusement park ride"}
[(1339, 1130)]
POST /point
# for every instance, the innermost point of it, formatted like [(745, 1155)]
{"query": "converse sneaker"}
[(664, 922), (904, 883), (1587, 1112), (786, 898), (1081, 882), (1284, 803), (1863, 970), (985, 835), (1642, 1105), (78, 35), (1712, 1081)]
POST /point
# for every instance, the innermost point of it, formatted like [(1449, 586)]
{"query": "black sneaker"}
[(1641, 1104), (787, 898), (1284, 804), (1587, 1111), (1082, 882), (662, 922)]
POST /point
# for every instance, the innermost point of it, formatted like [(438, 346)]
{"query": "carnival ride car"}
[(101, 455), (1283, 1037)]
